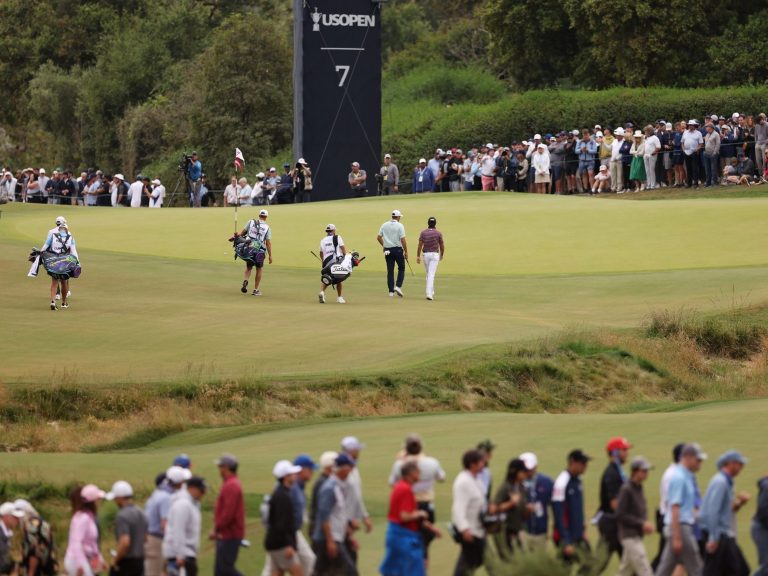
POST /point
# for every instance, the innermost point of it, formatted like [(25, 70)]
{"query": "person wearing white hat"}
[(280, 541), (637, 168), (331, 248), (539, 495), (260, 234), (257, 192), (302, 182), (60, 242), (326, 463), (533, 147), (7, 188), (358, 181), (351, 447), (650, 156), (392, 239), (42, 181), (83, 556), (540, 163), (38, 548), (423, 178), (389, 177), (181, 542), (130, 531), (619, 148), (118, 190), (602, 180), (487, 167), (9, 521), (692, 144), (157, 196)]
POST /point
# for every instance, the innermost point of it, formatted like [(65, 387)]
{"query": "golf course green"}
[(717, 426), (159, 296)]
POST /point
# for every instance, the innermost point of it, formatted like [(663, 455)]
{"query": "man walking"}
[(469, 501), (539, 487), (182, 537), (682, 547), (352, 447), (663, 494), (156, 510), (723, 556), (332, 250), (307, 467), (280, 540), (229, 518), (390, 177), (632, 519), (431, 243), (568, 509), (392, 239), (611, 482), (130, 532), (327, 462), (260, 234)]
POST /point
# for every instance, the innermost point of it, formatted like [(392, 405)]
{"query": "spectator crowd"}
[(313, 530)]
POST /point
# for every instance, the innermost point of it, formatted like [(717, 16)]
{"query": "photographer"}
[(194, 173), (302, 181)]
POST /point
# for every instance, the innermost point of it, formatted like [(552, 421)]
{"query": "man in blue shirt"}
[(539, 489), (423, 178), (723, 556), (194, 179), (682, 547), (568, 509)]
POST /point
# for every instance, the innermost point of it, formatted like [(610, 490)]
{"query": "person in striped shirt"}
[(432, 246)]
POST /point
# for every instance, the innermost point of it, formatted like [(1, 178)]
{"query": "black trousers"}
[(726, 561), (342, 565), (395, 256), (226, 556), (427, 535), (129, 567), (692, 168), (190, 565), (471, 557)]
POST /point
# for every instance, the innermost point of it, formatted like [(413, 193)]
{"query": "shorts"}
[(557, 171), (586, 166), (677, 159), (281, 561), (571, 167)]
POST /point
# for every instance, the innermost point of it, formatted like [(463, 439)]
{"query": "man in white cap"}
[(487, 168), (423, 178), (280, 541), (539, 492), (692, 144), (390, 177), (326, 462), (182, 537), (9, 521), (682, 547), (260, 234), (157, 195), (331, 249), (302, 182), (392, 239), (358, 181), (130, 531)]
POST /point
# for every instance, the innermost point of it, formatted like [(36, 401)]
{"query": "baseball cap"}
[(61, 221), (693, 122), (693, 449), (264, 213), (387, 156), (640, 463), (486, 445), (156, 182), (10, 509), (351, 442), (120, 489), (638, 134), (273, 169), (286, 165), (575, 132), (119, 176), (343, 460), (735, 115), (178, 475), (328, 458), (537, 136), (182, 460), (305, 461), (422, 161), (302, 162), (544, 146), (598, 127), (330, 228), (396, 214), (197, 482), (228, 460), (25, 507), (618, 443), (356, 164), (42, 170), (578, 456), (530, 460), (598, 134), (91, 493), (489, 145), (731, 456), (261, 175), (714, 117), (284, 468), (603, 168)]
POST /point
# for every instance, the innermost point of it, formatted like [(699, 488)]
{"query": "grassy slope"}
[(158, 299), (717, 426)]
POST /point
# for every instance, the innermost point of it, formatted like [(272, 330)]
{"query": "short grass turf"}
[(717, 426), (159, 297)]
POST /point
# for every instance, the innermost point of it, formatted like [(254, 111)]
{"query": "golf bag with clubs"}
[(340, 268), (59, 266), (246, 251)]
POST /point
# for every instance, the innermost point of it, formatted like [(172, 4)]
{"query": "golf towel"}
[(405, 553), (35, 268)]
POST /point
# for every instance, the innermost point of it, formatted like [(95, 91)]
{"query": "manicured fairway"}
[(159, 297), (717, 426)]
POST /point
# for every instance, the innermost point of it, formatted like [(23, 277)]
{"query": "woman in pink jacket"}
[(83, 557)]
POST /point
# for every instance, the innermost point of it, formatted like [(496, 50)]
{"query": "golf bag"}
[(339, 268), (246, 251), (59, 266)]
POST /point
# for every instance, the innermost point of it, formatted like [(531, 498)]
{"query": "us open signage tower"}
[(337, 91)]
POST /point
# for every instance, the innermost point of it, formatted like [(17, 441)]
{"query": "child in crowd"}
[(602, 181)]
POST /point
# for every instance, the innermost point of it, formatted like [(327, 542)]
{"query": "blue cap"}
[(731, 456), (182, 460), (344, 460), (305, 462)]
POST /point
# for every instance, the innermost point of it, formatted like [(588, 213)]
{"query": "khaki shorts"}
[(281, 562)]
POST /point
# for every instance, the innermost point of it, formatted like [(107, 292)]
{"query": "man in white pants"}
[(431, 244)]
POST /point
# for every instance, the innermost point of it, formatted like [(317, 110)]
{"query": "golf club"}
[(315, 255), (409, 267)]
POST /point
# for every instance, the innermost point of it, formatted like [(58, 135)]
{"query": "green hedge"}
[(518, 117)]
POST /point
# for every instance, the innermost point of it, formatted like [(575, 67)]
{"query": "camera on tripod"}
[(184, 163)]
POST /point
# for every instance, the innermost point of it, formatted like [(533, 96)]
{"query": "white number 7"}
[(345, 71)]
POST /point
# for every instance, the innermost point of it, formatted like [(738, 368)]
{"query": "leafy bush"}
[(441, 83)]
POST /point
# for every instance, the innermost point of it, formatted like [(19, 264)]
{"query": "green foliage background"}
[(127, 85)]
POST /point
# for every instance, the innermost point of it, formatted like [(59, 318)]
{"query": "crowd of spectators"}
[(718, 151)]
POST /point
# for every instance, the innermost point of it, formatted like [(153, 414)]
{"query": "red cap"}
[(618, 443)]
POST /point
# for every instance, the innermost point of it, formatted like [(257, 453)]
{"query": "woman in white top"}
[(652, 148), (540, 162)]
